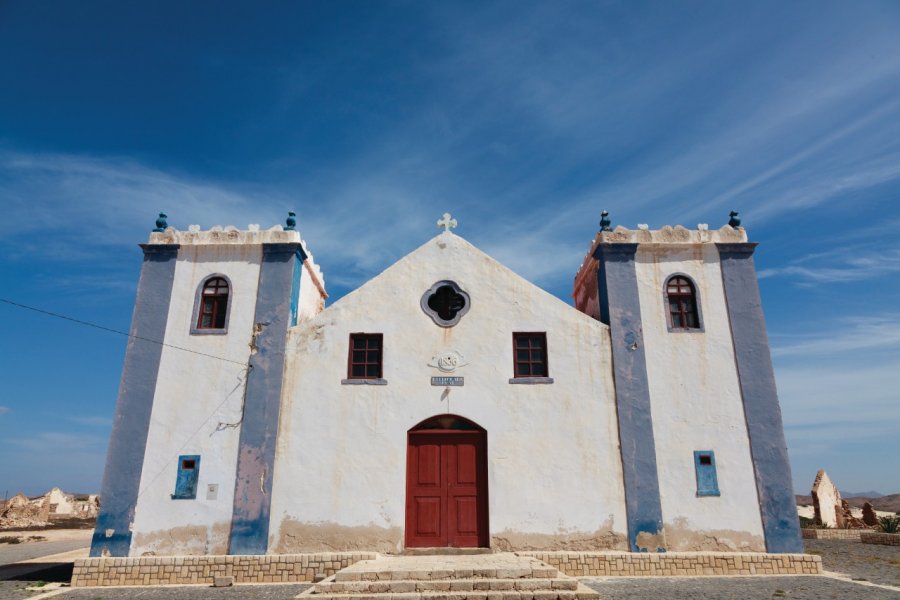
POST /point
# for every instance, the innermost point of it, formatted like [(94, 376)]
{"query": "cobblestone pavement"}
[(256, 592), (735, 588), (640, 588), (868, 562)]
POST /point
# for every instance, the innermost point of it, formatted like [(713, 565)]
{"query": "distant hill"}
[(889, 503), (861, 494)]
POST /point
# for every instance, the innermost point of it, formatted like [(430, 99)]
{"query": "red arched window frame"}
[(682, 299), (213, 304)]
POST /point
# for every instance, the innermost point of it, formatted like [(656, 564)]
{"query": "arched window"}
[(213, 310), (682, 300)]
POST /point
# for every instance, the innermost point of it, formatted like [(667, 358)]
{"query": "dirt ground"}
[(32, 535), (55, 524)]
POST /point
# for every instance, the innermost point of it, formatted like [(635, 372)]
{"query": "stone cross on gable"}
[(447, 222)]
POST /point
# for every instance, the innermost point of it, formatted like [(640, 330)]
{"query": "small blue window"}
[(705, 466), (188, 473)]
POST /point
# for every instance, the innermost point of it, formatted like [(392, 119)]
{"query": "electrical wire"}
[(116, 331), (242, 381)]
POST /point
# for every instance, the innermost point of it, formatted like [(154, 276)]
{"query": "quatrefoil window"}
[(445, 303)]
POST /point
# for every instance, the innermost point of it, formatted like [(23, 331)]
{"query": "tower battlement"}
[(584, 290)]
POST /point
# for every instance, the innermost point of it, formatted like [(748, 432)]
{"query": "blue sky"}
[(524, 120)]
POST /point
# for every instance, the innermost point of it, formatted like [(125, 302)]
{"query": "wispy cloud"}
[(103, 201), (846, 266), (60, 441), (4, 410), (854, 334)]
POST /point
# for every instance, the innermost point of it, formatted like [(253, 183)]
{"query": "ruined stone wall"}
[(831, 534), (826, 501), (882, 539)]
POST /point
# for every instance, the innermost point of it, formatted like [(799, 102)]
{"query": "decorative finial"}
[(604, 221), (161, 223), (291, 221), (735, 220), (447, 222)]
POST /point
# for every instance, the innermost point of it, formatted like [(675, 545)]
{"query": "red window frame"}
[(213, 304), (365, 356), (682, 303), (530, 354)]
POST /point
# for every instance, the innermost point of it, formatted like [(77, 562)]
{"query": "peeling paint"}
[(651, 542), (682, 538), (189, 540), (601, 539), (295, 537)]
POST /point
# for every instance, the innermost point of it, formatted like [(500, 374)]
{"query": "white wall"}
[(696, 405), (555, 476), (194, 394), (65, 503), (311, 300)]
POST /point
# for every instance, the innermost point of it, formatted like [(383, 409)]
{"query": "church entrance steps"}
[(503, 576)]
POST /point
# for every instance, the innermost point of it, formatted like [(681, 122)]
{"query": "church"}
[(447, 402)]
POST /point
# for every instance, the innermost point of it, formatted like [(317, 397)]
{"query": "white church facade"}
[(446, 402)]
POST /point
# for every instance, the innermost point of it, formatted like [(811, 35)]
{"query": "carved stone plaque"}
[(448, 361)]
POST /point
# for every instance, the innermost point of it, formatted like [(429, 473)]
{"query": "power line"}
[(116, 331)]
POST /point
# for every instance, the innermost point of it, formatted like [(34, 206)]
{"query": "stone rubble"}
[(869, 517), (21, 511)]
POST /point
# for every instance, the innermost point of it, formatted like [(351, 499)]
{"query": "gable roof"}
[(448, 256)]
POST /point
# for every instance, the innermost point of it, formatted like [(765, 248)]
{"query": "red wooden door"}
[(446, 489)]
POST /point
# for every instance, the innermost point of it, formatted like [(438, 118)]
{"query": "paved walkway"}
[(13, 553)]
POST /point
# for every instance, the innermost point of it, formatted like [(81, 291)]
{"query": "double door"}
[(446, 489)]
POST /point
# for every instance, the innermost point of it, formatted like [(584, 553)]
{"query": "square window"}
[(530, 354), (705, 468), (187, 477), (366, 354)]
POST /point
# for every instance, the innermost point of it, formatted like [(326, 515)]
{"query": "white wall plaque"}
[(447, 381)]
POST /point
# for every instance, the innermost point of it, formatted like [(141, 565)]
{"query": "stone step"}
[(581, 592), (400, 586), (538, 571)]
